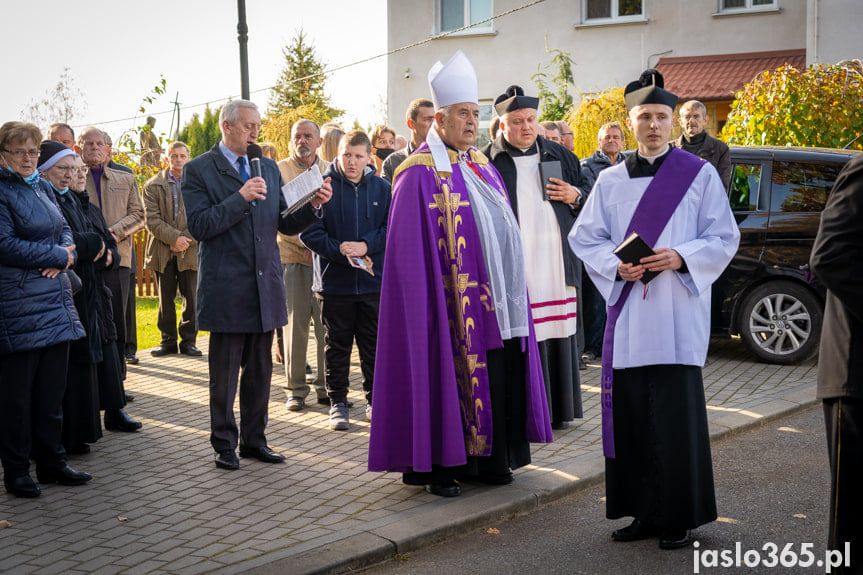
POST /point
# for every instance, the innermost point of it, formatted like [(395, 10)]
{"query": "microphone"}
[(254, 153)]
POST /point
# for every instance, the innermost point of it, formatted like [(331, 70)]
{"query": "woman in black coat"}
[(37, 318), (97, 250)]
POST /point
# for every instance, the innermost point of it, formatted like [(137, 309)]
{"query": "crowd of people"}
[(475, 284)]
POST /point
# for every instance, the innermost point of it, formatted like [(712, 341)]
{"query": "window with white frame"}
[(455, 14), (612, 10), (744, 5), (486, 114)]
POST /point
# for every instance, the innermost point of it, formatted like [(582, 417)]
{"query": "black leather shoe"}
[(132, 359), (635, 531), (63, 475), (674, 539), (227, 460), (129, 397), (77, 449), (448, 489), (191, 351), (581, 365), (559, 425), (262, 453), (163, 350), (118, 420), (22, 486)]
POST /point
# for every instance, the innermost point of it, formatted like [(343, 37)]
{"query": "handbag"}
[(74, 280)]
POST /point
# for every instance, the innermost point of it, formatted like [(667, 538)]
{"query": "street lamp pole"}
[(243, 38)]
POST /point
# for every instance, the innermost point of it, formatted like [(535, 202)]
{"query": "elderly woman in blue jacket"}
[(37, 318)]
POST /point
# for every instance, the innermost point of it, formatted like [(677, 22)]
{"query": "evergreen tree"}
[(301, 81), (199, 135)]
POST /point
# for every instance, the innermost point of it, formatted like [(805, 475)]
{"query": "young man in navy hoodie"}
[(349, 260)]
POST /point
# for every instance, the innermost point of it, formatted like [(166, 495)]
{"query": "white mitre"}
[(453, 82)]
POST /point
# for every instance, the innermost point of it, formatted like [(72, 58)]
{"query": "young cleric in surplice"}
[(658, 464)]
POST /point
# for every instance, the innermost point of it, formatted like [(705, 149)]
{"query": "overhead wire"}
[(338, 68)]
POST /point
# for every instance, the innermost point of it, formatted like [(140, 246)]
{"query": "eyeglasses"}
[(565, 134), (66, 169), (21, 153)]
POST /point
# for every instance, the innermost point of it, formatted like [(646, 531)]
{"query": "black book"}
[(549, 169), (631, 250)]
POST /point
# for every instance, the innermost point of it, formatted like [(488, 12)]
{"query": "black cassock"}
[(94, 380), (663, 472)]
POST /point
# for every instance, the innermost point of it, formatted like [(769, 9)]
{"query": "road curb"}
[(534, 487)]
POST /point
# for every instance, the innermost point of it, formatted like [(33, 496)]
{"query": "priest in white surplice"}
[(658, 462), (545, 212)]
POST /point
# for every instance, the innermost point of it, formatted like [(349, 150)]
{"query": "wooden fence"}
[(146, 279)]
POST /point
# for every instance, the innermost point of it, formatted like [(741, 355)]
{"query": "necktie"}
[(244, 172)]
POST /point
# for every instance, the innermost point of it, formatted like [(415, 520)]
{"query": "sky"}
[(117, 51)]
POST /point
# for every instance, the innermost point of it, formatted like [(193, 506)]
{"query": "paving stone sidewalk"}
[(158, 504)]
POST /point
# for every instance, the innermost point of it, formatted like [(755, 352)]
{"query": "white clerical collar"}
[(651, 159)]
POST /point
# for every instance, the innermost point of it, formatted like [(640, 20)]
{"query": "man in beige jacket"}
[(172, 254), (298, 274)]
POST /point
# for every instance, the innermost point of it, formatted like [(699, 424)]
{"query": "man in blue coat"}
[(241, 298)]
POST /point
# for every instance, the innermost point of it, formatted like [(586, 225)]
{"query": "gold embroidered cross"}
[(448, 204)]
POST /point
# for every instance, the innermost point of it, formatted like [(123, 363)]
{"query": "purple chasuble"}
[(652, 214), (436, 321)]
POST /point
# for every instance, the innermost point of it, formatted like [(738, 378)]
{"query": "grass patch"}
[(146, 314)]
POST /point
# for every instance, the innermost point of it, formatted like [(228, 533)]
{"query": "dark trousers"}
[(346, 318), (31, 413), (594, 316), (131, 346), (244, 359), (187, 281), (843, 420), (118, 282)]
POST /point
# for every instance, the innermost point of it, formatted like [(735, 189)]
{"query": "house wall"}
[(833, 31), (605, 56)]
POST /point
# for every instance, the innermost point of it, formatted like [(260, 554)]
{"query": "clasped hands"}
[(181, 245), (353, 249), (663, 259), (51, 273)]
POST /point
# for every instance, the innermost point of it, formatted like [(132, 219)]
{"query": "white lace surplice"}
[(552, 302)]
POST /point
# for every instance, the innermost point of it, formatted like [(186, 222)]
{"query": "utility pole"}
[(243, 38), (175, 128)]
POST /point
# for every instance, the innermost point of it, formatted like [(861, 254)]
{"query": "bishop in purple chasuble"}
[(431, 403)]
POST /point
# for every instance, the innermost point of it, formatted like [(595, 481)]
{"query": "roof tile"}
[(721, 76)]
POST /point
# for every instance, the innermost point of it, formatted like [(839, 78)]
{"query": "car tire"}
[(780, 322)]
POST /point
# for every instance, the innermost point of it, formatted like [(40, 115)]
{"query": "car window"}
[(801, 186), (745, 187)]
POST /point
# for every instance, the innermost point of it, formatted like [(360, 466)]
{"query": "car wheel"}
[(780, 322)]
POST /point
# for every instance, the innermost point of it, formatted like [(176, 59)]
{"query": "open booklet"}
[(300, 191)]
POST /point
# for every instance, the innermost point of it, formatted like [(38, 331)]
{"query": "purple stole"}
[(655, 208)]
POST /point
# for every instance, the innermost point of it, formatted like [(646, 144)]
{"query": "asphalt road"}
[(772, 486)]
